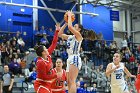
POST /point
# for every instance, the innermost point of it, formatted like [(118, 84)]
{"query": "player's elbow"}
[(59, 34), (107, 74)]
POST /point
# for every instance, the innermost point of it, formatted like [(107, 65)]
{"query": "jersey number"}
[(59, 83), (118, 76), (68, 45)]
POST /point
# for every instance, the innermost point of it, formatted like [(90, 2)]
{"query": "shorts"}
[(42, 87), (58, 91), (74, 60), (119, 89), (137, 84)]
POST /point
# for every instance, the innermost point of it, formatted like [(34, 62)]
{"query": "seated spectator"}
[(17, 58), (23, 48), (32, 75), (15, 67), (23, 63), (93, 76), (57, 52), (36, 32), (79, 89), (93, 89), (104, 79), (99, 78), (82, 53), (132, 58), (43, 31), (85, 89), (14, 45), (44, 41), (32, 65), (36, 36), (81, 82), (20, 55)]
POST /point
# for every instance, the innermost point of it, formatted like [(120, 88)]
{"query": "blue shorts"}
[(74, 60)]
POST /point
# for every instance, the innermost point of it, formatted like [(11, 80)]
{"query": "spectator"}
[(17, 36), (20, 41), (43, 31), (15, 67), (50, 34), (7, 80), (17, 58), (93, 76), (20, 55), (79, 89), (85, 88), (124, 43), (22, 48), (86, 63), (32, 65), (44, 41), (33, 74), (99, 78), (82, 53), (14, 45), (94, 88), (57, 52), (36, 36), (82, 83), (23, 63)]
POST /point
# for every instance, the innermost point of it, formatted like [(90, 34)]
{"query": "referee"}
[(7, 81)]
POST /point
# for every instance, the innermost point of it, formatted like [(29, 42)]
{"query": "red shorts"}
[(137, 83), (58, 91), (42, 87)]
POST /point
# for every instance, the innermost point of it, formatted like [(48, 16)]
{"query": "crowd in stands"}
[(95, 56)]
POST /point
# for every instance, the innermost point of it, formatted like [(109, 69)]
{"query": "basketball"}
[(66, 17)]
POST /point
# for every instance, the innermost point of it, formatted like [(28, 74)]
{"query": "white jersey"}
[(117, 77), (73, 46)]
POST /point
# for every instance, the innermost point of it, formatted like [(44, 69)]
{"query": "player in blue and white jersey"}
[(73, 46), (116, 71)]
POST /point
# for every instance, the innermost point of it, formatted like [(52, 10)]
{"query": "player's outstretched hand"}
[(57, 26)]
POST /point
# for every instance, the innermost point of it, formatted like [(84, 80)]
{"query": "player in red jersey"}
[(44, 65), (58, 85), (137, 83)]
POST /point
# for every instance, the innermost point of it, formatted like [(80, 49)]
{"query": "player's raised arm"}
[(61, 32), (128, 73), (72, 29)]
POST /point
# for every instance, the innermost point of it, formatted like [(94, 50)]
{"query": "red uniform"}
[(57, 85), (44, 75), (137, 83)]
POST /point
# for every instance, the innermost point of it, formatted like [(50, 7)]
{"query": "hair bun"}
[(36, 47)]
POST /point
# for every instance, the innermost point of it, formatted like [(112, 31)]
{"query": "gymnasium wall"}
[(101, 23), (44, 19), (136, 33), (120, 25), (15, 18)]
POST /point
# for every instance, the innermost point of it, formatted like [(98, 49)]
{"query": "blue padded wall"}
[(12, 19), (44, 19), (99, 23)]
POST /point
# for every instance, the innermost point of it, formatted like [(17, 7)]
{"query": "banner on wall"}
[(114, 15)]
